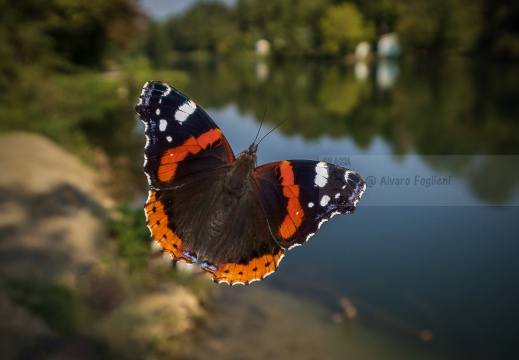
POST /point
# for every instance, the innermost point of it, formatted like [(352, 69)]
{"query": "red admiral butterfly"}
[(235, 219)]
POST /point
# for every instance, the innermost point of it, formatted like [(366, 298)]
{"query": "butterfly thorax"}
[(236, 183)]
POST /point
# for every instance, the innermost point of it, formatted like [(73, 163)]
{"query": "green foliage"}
[(84, 110), (340, 92), (83, 30), (40, 36), (62, 34), (384, 13), (132, 236), (290, 26), (207, 27), (23, 38), (500, 34), (343, 27), (450, 25), (62, 107), (157, 44), (314, 28), (54, 303)]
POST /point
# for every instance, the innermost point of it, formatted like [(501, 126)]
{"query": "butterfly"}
[(234, 218)]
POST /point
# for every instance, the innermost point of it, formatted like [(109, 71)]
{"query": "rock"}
[(50, 203)]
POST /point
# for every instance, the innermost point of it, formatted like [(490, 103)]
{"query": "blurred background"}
[(404, 92)]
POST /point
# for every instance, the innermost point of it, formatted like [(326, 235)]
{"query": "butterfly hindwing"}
[(196, 224)]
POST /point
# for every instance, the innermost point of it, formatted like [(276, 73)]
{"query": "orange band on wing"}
[(158, 225), (170, 160), (256, 269), (294, 218)]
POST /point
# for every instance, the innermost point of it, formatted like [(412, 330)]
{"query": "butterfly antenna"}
[(261, 123), (275, 127)]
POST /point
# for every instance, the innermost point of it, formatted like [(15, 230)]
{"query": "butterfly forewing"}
[(181, 138), (304, 194)]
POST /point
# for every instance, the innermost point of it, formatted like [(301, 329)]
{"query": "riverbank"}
[(65, 291)]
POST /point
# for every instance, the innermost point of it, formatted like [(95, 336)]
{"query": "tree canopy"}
[(343, 27), (334, 27), (60, 34)]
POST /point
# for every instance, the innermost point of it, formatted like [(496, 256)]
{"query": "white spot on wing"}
[(321, 174), (169, 138), (163, 124), (157, 111), (310, 204), (346, 175), (325, 200), (185, 110)]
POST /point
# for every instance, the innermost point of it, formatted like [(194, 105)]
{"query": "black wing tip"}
[(142, 106), (160, 88), (152, 83)]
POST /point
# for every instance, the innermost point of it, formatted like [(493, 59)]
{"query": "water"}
[(432, 267)]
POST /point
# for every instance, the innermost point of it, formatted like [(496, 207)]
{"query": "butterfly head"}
[(252, 149), (249, 155)]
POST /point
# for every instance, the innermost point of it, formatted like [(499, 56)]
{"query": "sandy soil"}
[(50, 205), (52, 211)]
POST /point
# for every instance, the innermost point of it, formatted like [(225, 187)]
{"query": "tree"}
[(500, 36), (157, 44), (436, 26), (343, 27), (291, 26), (23, 38), (384, 13), (84, 30), (203, 27)]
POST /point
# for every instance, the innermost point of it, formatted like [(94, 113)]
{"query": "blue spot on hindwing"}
[(190, 256), (209, 266)]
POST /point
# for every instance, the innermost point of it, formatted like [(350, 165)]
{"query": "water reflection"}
[(361, 70), (441, 109), (387, 73), (493, 179)]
